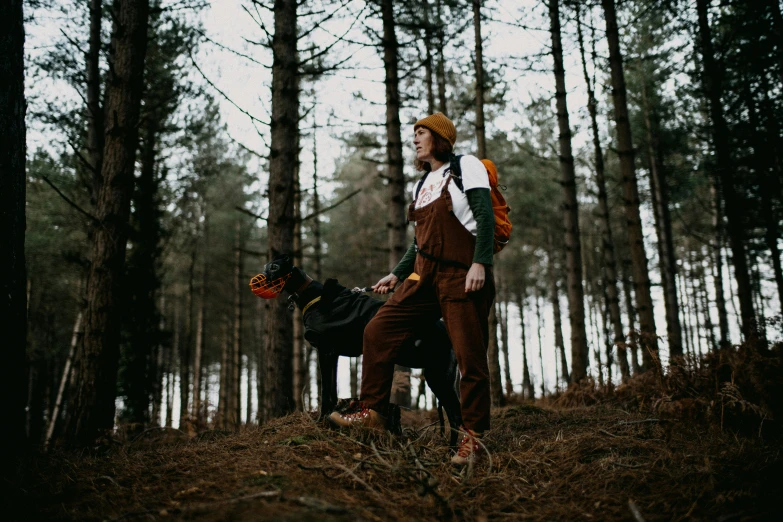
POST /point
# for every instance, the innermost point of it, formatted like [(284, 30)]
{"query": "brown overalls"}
[(439, 292)]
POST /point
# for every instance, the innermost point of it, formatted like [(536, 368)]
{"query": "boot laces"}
[(356, 411), (469, 444)]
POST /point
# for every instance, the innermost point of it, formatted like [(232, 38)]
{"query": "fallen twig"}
[(643, 421), (360, 481), (317, 503), (637, 515)]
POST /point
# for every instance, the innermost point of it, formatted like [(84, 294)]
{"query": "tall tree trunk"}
[(554, 297), (527, 385), (481, 138), (221, 418), (13, 283), (705, 300), (631, 311), (185, 355), (283, 162), (504, 340), (260, 315), (573, 246), (717, 263), (354, 378), (625, 151), (235, 411), (607, 338), (98, 355), (142, 282), (173, 352), (249, 390), (495, 382), (198, 353), (607, 241), (539, 323), (95, 132), (55, 415), (299, 342), (401, 392), (157, 368), (663, 226), (713, 88), (441, 70), (428, 72)]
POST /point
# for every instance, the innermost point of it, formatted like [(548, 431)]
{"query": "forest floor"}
[(597, 462)]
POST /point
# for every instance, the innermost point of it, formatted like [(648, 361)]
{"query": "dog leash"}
[(360, 290)]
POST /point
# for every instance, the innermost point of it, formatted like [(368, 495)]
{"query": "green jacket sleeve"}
[(405, 267), (480, 203)]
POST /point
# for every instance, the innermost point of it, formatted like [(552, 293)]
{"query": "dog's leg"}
[(327, 362), (442, 384)]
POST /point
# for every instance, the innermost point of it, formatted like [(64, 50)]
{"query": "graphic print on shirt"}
[(430, 189)]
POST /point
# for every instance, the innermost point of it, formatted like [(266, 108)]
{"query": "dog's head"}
[(273, 280)]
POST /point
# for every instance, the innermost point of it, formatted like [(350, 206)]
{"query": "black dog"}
[(334, 319)]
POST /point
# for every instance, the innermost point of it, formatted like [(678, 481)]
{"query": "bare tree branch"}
[(69, 201), (330, 207)]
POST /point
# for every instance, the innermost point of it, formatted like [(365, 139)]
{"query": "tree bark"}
[(142, 282), (713, 89), (625, 151), (554, 297), (573, 246), (540, 340), (481, 138), (235, 404), (495, 382), (173, 352), (504, 339), (283, 161), (299, 341), (441, 70), (198, 353), (663, 226), (628, 295), (58, 402), (527, 385), (95, 131), (428, 72), (221, 418), (607, 240), (717, 263), (13, 283), (98, 354), (185, 355)]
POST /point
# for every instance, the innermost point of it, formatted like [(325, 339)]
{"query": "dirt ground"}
[(546, 463)]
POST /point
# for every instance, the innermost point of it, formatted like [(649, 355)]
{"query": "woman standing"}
[(446, 273)]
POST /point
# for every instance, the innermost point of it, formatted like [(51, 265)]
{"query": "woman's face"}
[(422, 140)]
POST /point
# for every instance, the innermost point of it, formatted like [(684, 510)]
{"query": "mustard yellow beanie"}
[(440, 125)]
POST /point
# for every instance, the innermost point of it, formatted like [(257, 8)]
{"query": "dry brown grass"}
[(546, 464), (671, 448)]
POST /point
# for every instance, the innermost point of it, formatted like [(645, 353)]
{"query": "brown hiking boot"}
[(358, 414), (469, 449)]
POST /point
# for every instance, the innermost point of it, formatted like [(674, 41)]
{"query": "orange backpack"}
[(499, 207)]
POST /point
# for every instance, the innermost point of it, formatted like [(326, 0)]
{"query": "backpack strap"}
[(456, 171), (418, 186)]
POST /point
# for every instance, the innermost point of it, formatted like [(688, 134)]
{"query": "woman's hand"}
[(386, 284), (475, 278)]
